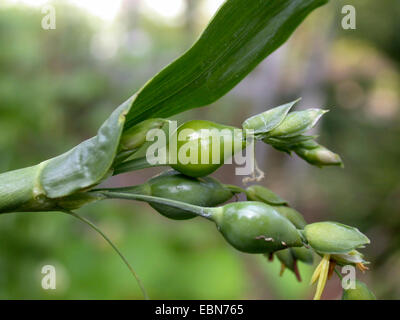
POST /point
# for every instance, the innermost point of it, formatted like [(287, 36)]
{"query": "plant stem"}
[(201, 211), (338, 274), (122, 156), (94, 227), (234, 189), (135, 164)]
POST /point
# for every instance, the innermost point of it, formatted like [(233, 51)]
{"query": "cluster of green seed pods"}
[(288, 257), (249, 226), (265, 223), (197, 148), (285, 132)]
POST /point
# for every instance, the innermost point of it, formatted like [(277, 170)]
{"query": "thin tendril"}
[(94, 227)]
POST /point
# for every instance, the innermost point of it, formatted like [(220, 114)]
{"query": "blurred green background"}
[(57, 86)]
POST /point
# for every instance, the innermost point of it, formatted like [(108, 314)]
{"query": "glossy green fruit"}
[(203, 146), (361, 292), (249, 226), (255, 227), (206, 192)]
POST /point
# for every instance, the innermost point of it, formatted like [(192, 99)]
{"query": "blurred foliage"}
[(78, 73)]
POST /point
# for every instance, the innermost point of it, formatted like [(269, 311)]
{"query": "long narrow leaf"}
[(240, 36)]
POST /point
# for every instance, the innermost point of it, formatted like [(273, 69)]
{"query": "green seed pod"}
[(303, 254), (293, 216), (264, 122), (361, 292), (289, 258), (317, 155), (207, 192), (297, 122), (286, 258), (203, 146), (255, 227), (333, 237), (262, 194), (288, 144), (249, 226), (135, 137)]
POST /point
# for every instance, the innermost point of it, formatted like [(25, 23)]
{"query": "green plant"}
[(173, 185), (240, 36)]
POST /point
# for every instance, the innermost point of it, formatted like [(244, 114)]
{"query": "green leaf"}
[(89, 162), (239, 37)]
